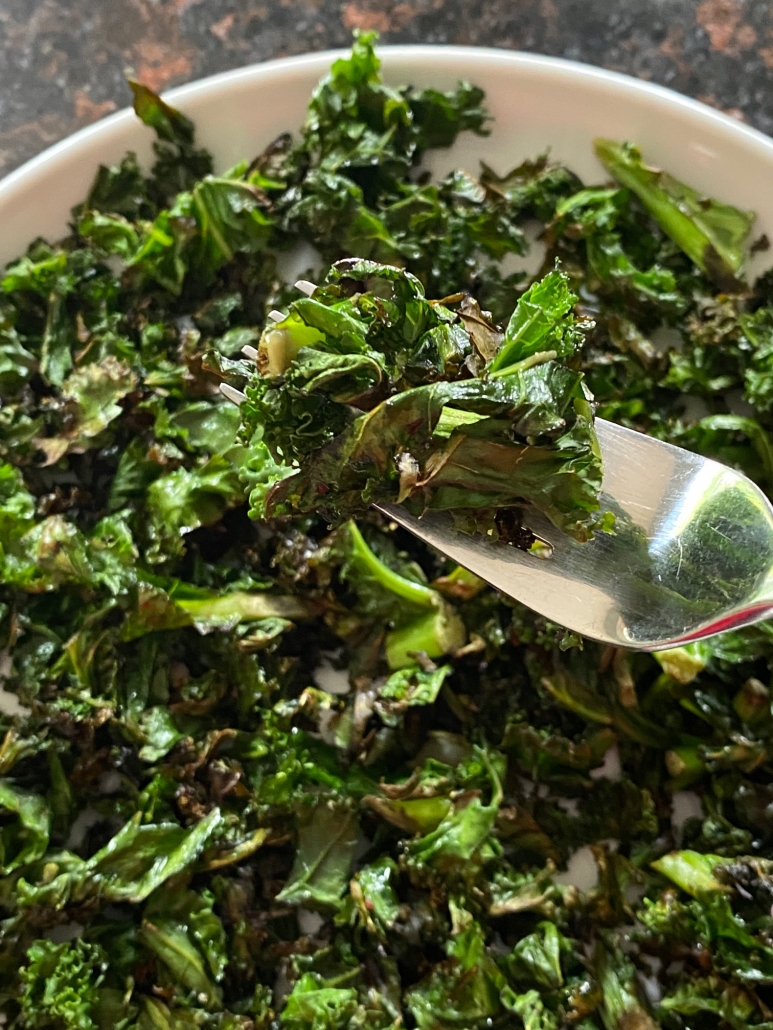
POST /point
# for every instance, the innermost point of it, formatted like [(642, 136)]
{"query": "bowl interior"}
[(538, 103)]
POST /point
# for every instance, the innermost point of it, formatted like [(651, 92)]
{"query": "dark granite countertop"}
[(63, 63)]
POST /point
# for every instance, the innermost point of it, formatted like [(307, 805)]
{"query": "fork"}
[(691, 554)]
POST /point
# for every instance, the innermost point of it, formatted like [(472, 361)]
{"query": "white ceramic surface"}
[(538, 103)]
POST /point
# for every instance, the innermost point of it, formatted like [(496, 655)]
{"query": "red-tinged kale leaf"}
[(395, 453)]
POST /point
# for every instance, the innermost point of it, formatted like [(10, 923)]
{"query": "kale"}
[(712, 234), (60, 984), (264, 764), (474, 432)]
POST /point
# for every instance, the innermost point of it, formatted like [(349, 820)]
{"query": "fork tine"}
[(305, 287), (233, 394)]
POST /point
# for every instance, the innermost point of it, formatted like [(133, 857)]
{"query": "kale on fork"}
[(367, 392)]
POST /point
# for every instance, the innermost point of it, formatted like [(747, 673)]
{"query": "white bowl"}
[(538, 103)]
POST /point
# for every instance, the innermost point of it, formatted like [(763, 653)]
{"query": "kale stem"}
[(434, 634), (408, 589), (520, 366)]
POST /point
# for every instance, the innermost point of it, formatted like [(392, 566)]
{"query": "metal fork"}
[(691, 556)]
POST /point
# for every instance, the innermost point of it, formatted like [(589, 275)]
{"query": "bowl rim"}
[(439, 55)]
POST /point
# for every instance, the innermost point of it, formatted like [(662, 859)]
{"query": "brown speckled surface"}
[(63, 63)]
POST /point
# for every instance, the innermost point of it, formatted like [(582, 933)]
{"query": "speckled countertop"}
[(63, 63)]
